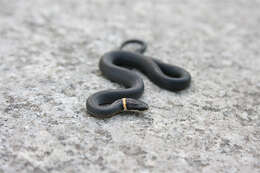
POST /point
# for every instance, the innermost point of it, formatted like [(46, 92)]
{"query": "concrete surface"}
[(49, 51)]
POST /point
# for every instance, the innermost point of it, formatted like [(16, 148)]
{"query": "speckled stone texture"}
[(49, 53)]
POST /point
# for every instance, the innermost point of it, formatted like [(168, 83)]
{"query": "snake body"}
[(116, 65)]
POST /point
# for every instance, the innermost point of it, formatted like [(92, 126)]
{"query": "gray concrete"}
[(49, 51)]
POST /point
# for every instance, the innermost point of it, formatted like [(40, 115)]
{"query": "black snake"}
[(115, 65)]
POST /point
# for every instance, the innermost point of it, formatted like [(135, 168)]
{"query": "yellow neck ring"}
[(124, 104)]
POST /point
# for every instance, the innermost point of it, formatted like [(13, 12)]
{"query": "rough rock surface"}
[(49, 51)]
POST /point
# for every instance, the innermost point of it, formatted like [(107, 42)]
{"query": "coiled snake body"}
[(114, 66)]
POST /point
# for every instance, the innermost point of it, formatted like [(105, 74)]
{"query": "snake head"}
[(134, 105)]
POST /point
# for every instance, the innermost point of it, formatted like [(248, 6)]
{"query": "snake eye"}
[(136, 105)]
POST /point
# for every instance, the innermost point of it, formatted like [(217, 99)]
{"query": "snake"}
[(117, 65)]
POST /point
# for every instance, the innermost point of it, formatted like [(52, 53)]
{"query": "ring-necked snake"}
[(116, 65)]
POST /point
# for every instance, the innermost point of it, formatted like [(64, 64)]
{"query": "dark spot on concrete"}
[(93, 150), (197, 163), (132, 150), (103, 135), (22, 106), (212, 109)]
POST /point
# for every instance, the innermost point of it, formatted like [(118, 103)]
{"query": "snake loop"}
[(141, 50)]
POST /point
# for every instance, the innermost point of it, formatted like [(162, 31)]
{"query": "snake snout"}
[(136, 105)]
